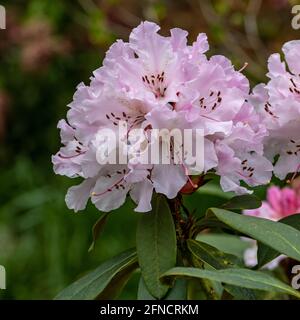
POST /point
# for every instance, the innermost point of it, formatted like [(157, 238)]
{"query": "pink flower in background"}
[(278, 103), (156, 82), (280, 203)]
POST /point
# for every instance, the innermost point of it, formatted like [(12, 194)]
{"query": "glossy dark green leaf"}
[(143, 293), (97, 229), (117, 284), (225, 242), (281, 237), (213, 189), (265, 254), (177, 292), (238, 277), (243, 202), (220, 260), (240, 293), (212, 256), (156, 245), (94, 283), (209, 222)]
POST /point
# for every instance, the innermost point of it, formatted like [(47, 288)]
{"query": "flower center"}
[(119, 184), (78, 151), (294, 148), (156, 83), (248, 171), (211, 102)]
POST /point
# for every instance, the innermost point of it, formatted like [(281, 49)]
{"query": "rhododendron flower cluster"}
[(278, 103), (279, 204), (156, 82)]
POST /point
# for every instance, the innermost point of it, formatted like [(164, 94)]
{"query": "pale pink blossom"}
[(278, 103), (156, 82)]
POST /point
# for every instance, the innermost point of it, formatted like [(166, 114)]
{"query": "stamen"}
[(294, 175), (118, 183), (70, 157), (244, 67), (195, 186), (267, 109), (211, 102)]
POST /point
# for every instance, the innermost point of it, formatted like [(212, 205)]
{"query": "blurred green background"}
[(47, 49)]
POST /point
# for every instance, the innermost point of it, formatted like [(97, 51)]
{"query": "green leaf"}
[(97, 229), (220, 260), (117, 284), (196, 291), (225, 242), (243, 202), (212, 256), (209, 222), (96, 282), (213, 189), (265, 254), (281, 237), (238, 277), (240, 293), (178, 292), (156, 245), (143, 293)]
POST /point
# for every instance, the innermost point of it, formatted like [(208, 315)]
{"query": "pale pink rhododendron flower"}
[(279, 204), (278, 103), (156, 82)]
